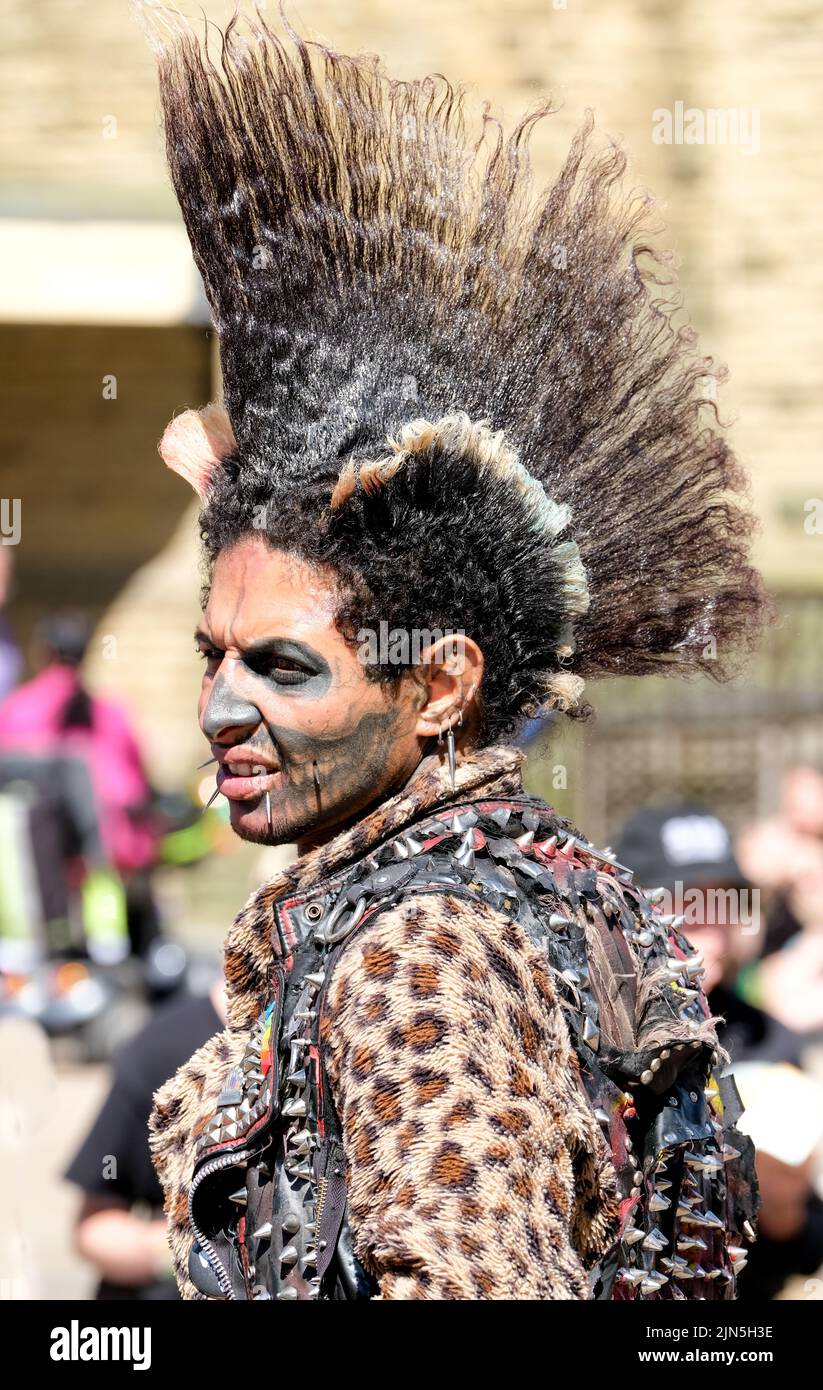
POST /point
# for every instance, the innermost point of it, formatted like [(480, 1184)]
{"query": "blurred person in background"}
[(113, 1164), (53, 723), (11, 658), (785, 855), (688, 851)]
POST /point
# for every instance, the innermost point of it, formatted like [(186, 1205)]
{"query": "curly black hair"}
[(405, 326)]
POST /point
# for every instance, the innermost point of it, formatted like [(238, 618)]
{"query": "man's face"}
[(285, 703)]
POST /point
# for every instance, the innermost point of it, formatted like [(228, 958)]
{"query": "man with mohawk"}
[(465, 1057)]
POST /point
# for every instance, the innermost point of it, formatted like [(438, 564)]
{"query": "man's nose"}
[(226, 709)]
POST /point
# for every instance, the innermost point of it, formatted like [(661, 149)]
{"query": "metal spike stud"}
[(450, 750)]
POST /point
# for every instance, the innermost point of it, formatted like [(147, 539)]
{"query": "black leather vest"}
[(267, 1201)]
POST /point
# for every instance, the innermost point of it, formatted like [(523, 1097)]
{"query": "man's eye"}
[(280, 668)]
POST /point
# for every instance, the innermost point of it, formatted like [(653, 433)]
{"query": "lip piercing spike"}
[(211, 799), (268, 812), (207, 763)]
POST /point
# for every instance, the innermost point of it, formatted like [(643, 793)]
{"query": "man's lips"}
[(247, 779)]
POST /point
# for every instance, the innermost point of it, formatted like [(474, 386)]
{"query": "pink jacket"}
[(30, 722)]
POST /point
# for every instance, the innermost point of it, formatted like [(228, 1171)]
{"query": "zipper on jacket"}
[(213, 1166), (322, 1187)]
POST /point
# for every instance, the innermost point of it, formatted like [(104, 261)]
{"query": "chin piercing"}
[(316, 776), (268, 813)]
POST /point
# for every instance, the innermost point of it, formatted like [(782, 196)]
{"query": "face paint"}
[(310, 683), (287, 706), (225, 709)]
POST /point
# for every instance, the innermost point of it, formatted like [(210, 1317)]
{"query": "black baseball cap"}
[(681, 842)]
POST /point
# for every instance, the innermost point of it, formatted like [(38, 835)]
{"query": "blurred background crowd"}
[(116, 885)]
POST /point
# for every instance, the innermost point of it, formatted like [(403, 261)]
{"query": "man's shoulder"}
[(506, 851)]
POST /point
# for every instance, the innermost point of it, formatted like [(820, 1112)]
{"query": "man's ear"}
[(452, 675)]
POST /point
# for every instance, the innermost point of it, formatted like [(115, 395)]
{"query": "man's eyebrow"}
[(276, 646), (264, 646)]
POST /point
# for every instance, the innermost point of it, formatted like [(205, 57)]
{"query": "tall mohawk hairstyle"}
[(467, 399)]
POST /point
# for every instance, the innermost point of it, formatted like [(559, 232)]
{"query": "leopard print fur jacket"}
[(476, 1168)]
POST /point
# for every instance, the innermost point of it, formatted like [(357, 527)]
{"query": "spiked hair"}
[(466, 399)]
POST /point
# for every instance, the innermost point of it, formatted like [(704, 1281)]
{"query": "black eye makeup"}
[(287, 664), (279, 668)]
